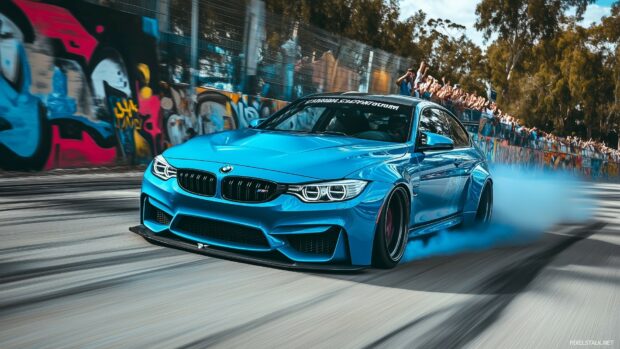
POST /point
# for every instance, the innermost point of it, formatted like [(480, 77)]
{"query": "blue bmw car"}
[(332, 181)]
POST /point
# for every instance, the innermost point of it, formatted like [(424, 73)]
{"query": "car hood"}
[(315, 156)]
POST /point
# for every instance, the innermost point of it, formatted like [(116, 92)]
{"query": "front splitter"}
[(230, 255)]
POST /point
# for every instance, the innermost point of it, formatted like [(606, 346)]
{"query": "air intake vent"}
[(222, 231), (154, 214), (197, 182), (162, 217), (316, 243), (244, 189)]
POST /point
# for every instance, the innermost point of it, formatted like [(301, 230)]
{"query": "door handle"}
[(458, 163)]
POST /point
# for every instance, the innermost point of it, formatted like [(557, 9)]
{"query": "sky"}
[(464, 12)]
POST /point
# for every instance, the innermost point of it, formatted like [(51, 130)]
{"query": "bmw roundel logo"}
[(226, 169)]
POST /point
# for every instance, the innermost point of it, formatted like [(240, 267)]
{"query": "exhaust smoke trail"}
[(526, 204)]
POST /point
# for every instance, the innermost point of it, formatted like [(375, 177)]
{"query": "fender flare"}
[(479, 178)]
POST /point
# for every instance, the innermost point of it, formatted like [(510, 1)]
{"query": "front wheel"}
[(392, 230)]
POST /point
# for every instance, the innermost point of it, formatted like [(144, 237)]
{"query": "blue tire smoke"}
[(526, 204)]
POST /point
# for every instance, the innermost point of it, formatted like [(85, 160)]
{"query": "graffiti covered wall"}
[(80, 86), (213, 111), (75, 85)]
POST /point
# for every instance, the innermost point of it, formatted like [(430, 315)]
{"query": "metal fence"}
[(244, 48)]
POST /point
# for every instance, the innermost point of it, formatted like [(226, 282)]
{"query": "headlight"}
[(162, 169), (328, 191)]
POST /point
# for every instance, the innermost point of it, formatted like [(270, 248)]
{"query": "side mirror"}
[(434, 141), (255, 122)]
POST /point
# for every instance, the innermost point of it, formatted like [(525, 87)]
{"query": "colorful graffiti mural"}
[(66, 67), (80, 86), (213, 111)]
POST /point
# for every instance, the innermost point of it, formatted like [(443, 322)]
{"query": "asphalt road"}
[(72, 275)]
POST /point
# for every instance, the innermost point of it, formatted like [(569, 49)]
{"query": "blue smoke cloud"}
[(526, 204)]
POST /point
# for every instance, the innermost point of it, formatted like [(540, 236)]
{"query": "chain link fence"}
[(244, 48)]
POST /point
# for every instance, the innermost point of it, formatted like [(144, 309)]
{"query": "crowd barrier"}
[(499, 151)]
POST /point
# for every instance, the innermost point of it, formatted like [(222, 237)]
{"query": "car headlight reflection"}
[(162, 169), (328, 191)]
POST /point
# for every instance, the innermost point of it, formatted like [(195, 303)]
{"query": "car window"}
[(433, 120), (459, 135), (347, 117), (302, 121)]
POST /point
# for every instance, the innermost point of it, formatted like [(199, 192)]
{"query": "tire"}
[(391, 233), (484, 212)]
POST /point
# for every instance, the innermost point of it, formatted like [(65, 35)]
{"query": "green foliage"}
[(567, 83)]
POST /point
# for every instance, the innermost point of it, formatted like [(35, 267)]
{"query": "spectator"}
[(405, 83), (494, 122), (423, 68)]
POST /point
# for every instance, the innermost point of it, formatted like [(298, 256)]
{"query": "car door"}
[(437, 193), (463, 155)]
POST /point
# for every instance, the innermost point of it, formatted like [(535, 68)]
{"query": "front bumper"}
[(173, 241), (285, 223)]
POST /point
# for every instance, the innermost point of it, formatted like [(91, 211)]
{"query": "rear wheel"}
[(485, 207), (392, 230)]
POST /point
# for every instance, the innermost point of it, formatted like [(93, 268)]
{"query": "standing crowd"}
[(493, 121)]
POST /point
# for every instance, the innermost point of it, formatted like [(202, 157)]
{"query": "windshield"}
[(346, 117)]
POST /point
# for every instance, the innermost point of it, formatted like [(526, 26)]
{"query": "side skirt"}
[(436, 225)]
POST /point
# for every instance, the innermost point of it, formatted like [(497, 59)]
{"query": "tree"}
[(521, 24), (562, 85), (606, 36), (452, 55)]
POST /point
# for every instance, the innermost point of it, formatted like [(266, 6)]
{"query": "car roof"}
[(391, 98)]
